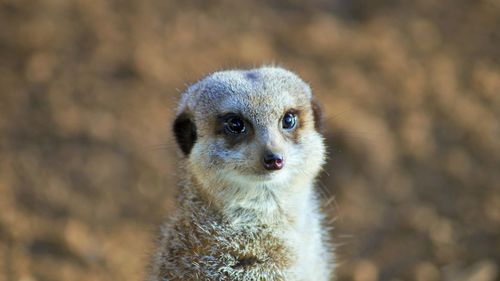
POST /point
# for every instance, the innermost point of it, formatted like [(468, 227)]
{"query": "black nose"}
[(273, 161)]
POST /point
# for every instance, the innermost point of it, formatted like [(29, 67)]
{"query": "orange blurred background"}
[(410, 90)]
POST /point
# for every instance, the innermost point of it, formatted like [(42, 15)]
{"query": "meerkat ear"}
[(185, 132), (317, 114)]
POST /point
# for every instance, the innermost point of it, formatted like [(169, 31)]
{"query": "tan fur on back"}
[(235, 220)]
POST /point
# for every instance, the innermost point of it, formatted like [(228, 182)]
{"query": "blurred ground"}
[(411, 91)]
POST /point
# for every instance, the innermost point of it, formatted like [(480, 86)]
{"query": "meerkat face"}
[(250, 128)]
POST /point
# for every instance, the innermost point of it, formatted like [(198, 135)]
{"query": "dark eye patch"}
[(234, 124), (291, 123), (233, 127), (289, 120)]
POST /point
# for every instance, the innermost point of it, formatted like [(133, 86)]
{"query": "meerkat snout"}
[(273, 161)]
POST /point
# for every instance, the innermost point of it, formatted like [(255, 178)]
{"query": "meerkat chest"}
[(307, 247), (301, 237)]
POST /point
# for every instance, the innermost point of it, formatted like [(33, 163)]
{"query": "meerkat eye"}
[(289, 121), (234, 125)]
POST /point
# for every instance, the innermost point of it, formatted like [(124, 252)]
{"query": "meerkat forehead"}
[(251, 92)]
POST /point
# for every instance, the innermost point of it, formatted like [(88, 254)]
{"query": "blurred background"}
[(410, 90)]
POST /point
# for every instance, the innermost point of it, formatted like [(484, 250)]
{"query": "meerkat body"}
[(248, 209)]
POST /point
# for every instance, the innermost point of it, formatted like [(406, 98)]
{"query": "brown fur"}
[(237, 220)]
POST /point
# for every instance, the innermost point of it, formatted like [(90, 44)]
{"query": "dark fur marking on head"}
[(252, 75), (185, 132)]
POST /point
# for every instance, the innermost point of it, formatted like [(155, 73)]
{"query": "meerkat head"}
[(250, 129)]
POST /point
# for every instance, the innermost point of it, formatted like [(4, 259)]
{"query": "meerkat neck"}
[(258, 204)]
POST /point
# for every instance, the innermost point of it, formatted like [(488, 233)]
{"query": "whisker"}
[(372, 137), (162, 146), (337, 115)]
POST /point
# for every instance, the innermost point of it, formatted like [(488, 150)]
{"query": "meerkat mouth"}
[(251, 173), (260, 176)]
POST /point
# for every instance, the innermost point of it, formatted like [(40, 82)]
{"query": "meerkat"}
[(252, 148)]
